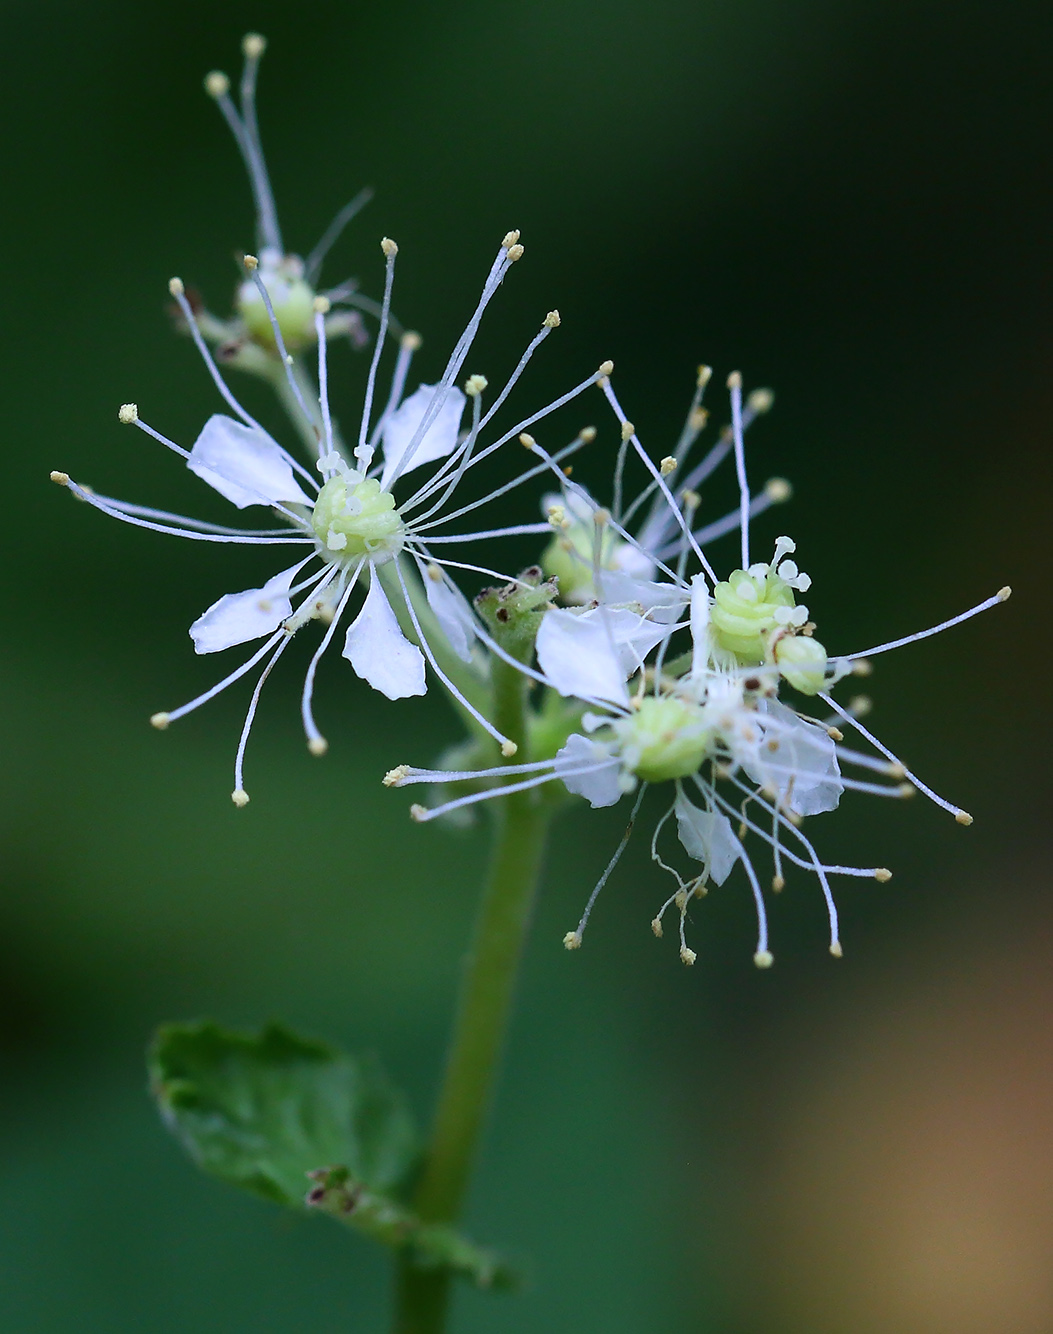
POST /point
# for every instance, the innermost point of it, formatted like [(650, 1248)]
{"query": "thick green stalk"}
[(422, 1296)]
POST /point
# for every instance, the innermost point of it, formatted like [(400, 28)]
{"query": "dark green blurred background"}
[(848, 201)]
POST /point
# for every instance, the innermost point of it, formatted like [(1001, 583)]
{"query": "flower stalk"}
[(422, 1295)]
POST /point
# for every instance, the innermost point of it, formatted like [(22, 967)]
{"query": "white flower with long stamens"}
[(740, 761), (247, 340), (356, 524)]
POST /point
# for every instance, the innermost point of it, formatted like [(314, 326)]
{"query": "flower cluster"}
[(647, 669)]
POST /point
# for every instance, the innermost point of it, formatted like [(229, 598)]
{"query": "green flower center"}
[(664, 738), (354, 518)]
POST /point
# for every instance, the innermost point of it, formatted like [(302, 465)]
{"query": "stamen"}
[(963, 817), (252, 266), (243, 741), (408, 344), (84, 493), (363, 452), (572, 940), (1002, 595), (735, 386), (316, 743), (406, 775), (422, 814), (313, 263), (323, 375)]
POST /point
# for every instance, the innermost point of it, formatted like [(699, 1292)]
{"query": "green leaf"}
[(274, 1113)]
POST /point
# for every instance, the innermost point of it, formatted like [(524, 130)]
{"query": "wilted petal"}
[(238, 617), (664, 602), (439, 439), (708, 837), (244, 464), (578, 656), (805, 756), (600, 784), (453, 614), (378, 650)]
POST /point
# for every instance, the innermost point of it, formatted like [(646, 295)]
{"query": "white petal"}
[(599, 786), (243, 464), (378, 650), (439, 439), (578, 656), (708, 837), (453, 614), (806, 756), (632, 561), (634, 635), (238, 617), (664, 601)]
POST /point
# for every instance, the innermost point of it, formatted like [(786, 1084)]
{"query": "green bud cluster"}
[(513, 611)]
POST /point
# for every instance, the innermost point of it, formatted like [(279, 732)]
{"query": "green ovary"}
[(355, 519), (743, 613), (293, 302), (664, 738), (568, 558)]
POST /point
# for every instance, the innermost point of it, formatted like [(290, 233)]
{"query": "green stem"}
[(422, 1295)]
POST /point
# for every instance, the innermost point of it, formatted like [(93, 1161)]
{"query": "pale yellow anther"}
[(835, 734), (735, 382), (556, 515), (389, 247), (836, 950), (515, 252), (656, 926), (435, 573), (587, 435), (601, 518), (508, 749), (606, 368), (760, 400), (527, 441), (216, 84), (253, 45), (572, 941), (1004, 594), (394, 777), (778, 489), (628, 430), (704, 374), (680, 899), (175, 286), (418, 812), (963, 817), (906, 789), (551, 320), (691, 500), (160, 720), (61, 478), (883, 874), (860, 705), (239, 797), (474, 385), (128, 413), (510, 239), (318, 745), (322, 305), (411, 341), (667, 465), (687, 956), (764, 959), (778, 884), (699, 417), (250, 262), (861, 668)]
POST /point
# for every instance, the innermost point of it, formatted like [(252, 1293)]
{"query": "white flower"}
[(358, 523), (740, 761)]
